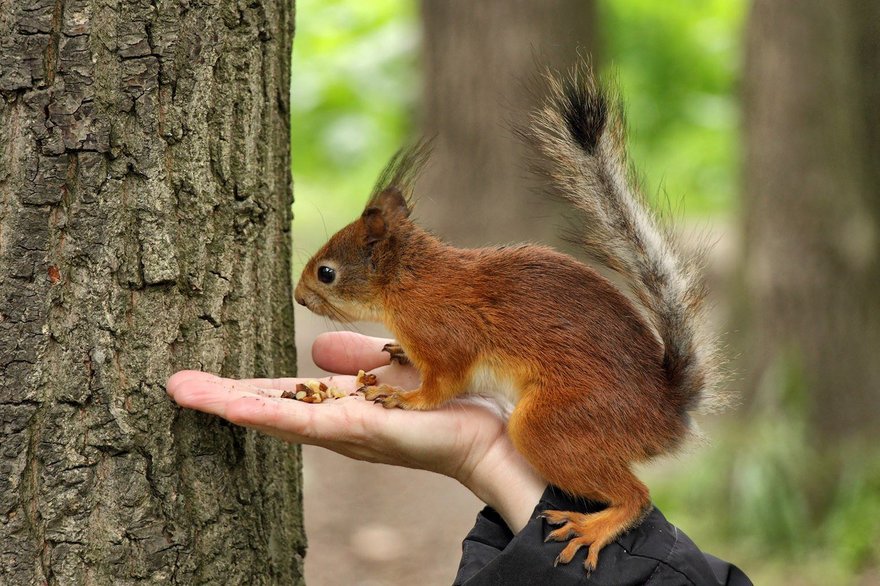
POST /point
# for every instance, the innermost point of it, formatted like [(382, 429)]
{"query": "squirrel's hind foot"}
[(594, 530)]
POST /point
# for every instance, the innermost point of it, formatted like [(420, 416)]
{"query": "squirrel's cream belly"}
[(489, 380)]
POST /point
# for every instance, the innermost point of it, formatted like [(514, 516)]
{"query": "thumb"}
[(348, 352)]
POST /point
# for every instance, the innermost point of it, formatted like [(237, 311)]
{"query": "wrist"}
[(506, 482)]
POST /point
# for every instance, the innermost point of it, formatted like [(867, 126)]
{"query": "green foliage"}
[(356, 84), (354, 87), (678, 63), (854, 525), (766, 496)]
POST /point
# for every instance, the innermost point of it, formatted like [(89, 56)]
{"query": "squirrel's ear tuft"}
[(395, 186), (392, 202), (386, 210)]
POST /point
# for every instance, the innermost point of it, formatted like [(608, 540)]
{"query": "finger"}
[(207, 392), (212, 394), (332, 428), (236, 401), (185, 378), (203, 391), (341, 422), (179, 378), (348, 352), (215, 395), (295, 426)]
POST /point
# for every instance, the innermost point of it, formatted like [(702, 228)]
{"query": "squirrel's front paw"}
[(395, 351), (389, 397), (394, 400), (375, 392)]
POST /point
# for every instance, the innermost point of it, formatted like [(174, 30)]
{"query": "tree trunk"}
[(812, 207), (144, 228), (481, 61)]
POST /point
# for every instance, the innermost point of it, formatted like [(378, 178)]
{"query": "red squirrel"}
[(597, 384)]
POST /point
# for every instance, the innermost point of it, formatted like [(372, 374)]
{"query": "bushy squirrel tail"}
[(579, 131)]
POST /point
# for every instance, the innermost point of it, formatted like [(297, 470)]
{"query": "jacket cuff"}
[(654, 552)]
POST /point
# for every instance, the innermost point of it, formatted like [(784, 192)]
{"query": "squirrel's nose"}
[(300, 299)]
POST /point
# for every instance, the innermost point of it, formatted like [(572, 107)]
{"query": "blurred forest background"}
[(756, 123)]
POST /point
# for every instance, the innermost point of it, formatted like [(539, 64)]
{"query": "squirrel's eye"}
[(326, 274)]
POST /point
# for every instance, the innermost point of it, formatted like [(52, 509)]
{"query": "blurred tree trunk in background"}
[(812, 207), (480, 61), (144, 228)]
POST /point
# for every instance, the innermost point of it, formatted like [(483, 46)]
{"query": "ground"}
[(375, 525)]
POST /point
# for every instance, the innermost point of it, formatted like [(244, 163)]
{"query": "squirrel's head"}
[(345, 279)]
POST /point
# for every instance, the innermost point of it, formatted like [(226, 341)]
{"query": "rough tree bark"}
[(812, 206), (481, 60), (144, 227)]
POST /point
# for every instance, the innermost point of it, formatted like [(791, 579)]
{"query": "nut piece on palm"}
[(365, 379), (313, 391), (397, 353)]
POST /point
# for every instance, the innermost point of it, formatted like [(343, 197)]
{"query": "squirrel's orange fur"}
[(597, 385)]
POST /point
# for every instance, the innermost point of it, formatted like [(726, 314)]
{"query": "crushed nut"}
[(364, 380), (316, 386), (313, 391)]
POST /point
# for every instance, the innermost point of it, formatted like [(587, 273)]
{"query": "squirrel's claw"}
[(392, 401), (389, 397), (580, 530), (397, 353), (377, 392)]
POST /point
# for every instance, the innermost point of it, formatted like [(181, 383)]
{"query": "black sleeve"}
[(655, 552)]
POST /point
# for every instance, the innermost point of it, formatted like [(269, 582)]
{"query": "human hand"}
[(464, 440)]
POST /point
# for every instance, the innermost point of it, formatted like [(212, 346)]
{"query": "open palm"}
[(464, 440)]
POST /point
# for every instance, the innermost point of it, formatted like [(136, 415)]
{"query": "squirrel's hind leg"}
[(596, 530), (584, 463)]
